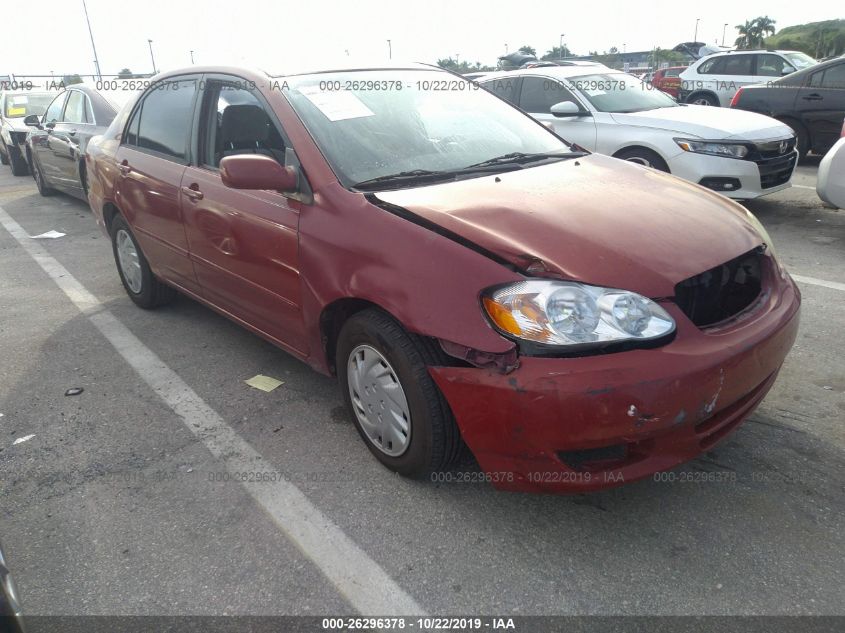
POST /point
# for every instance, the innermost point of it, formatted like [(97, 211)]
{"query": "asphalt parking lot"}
[(117, 505)]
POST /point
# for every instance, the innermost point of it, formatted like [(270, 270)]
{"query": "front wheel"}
[(19, 166), (398, 410), (145, 290), (38, 175), (644, 157)]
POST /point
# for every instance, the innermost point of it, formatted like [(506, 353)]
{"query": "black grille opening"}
[(721, 292)]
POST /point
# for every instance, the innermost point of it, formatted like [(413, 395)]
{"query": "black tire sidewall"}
[(38, 176), (146, 298), (654, 158), (421, 456)]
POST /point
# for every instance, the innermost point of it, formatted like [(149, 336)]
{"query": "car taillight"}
[(735, 100)]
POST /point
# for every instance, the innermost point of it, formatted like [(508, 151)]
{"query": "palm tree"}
[(765, 26), (746, 32)]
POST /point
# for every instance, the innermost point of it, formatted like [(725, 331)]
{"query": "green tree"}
[(125, 73), (69, 80), (765, 26), (752, 33), (528, 50), (556, 53)]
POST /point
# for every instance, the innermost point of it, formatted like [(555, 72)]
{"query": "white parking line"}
[(367, 587), (835, 285), (804, 187)]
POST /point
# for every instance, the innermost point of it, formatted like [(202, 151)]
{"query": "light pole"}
[(192, 57), (91, 34), (695, 37), (150, 42), (506, 48), (389, 50), (458, 59), (723, 33), (561, 45)]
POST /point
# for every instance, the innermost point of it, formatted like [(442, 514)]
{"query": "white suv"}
[(714, 80)]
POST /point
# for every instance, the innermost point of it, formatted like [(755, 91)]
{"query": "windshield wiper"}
[(522, 157), (403, 176)]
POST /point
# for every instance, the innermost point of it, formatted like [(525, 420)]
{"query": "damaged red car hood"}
[(593, 219)]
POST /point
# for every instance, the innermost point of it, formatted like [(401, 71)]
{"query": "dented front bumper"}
[(580, 424)]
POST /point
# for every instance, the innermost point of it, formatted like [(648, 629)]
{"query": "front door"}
[(244, 244)]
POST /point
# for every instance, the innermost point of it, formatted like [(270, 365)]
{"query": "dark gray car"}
[(57, 140)]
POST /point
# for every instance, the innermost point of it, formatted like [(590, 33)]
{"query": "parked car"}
[(576, 320), (668, 80), (14, 108), (741, 155), (57, 140), (713, 80), (811, 102), (830, 182)]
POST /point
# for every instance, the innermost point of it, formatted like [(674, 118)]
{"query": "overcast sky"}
[(277, 36)]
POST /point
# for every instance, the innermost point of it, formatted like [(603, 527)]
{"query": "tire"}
[(703, 98), (19, 166), (643, 156), (802, 138), (145, 290), (4, 155), (38, 176), (430, 441)]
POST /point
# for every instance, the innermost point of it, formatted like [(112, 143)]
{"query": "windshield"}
[(619, 92), (800, 60), (372, 124), (21, 105)]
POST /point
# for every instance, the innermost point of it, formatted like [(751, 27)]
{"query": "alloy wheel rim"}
[(379, 400), (130, 265), (640, 161)]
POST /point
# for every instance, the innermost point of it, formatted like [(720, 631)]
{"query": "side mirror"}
[(567, 108), (256, 171), (787, 70), (33, 120)]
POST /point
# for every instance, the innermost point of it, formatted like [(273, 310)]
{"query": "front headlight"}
[(566, 313), (715, 148)]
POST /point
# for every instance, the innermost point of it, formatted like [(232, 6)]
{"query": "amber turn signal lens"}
[(501, 317)]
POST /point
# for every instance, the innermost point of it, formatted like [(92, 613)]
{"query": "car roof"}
[(564, 72), (755, 51)]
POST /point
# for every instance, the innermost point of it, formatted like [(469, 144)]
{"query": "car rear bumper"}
[(569, 425), (747, 178)]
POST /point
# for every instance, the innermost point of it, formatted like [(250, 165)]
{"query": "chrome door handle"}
[(193, 194)]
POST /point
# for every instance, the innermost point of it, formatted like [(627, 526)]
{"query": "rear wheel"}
[(398, 410), (703, 98), (644, 157), (138, 280)]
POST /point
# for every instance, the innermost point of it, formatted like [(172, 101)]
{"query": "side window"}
[(738, 64), (236, 122), (771, 66), (54, 110), (504, 87), (834, 77), (673, 73), (75, 110), (162, 121), (540, 94), (715, 66)]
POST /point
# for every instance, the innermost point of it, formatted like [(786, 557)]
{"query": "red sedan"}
[(668, 80), (577, 321)]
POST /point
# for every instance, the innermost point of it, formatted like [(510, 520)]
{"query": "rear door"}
[(244, 243), (539, 94), (821, 104), (152, 157), (736, 71)]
